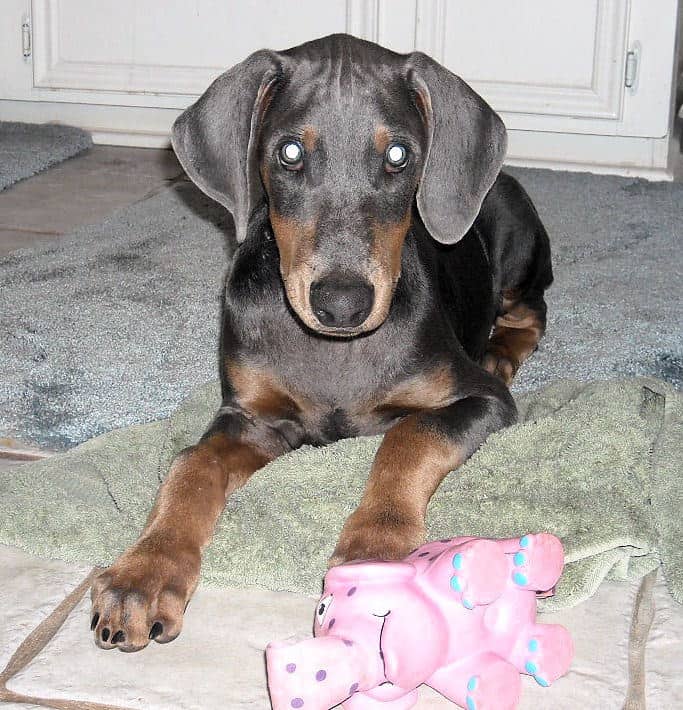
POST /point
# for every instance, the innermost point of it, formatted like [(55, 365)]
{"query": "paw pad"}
[(519, 579), (519, 560), (531, 667), (472, 684), (457, 583)]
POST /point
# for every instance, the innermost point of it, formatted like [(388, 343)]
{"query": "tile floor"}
[(80, 191)]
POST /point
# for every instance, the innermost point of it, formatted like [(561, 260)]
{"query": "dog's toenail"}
[(94, 621), (105, 634), (118, 637), (156, 630)]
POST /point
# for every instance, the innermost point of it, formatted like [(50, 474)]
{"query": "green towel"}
[(598, 464)]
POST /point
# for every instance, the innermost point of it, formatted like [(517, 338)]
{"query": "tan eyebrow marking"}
[(381, 139), (309, 138)]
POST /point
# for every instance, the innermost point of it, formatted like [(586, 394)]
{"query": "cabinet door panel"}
[(163, 47)]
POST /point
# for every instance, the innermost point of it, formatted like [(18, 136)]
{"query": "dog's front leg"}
[(143, 595), (413, 459)]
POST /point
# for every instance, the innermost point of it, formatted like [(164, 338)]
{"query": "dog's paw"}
[(142, 597), (380, 535), (500, 365)]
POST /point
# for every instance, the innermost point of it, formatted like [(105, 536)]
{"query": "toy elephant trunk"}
[(319, 672)]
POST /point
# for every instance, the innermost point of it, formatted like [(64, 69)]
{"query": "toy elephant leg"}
[(478, 571), (482, 682), (362, 701), (545, 652), (537, 561)]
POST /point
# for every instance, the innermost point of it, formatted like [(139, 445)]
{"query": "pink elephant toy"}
[(458, 615)]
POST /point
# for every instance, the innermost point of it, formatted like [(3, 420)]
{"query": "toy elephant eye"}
[(323, 605)]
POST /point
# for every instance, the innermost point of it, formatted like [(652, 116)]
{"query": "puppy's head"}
[(340, 138)]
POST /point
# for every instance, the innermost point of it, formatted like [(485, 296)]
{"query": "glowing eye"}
[(396, 156), (321, 612), (291, 155)]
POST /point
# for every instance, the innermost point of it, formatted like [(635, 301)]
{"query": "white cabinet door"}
[(156, 53), (557, 72), (554, 70), (551, 66)]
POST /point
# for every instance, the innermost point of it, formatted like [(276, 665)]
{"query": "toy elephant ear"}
[(215, 138), (378, 572), (466, 147), (414, 642)]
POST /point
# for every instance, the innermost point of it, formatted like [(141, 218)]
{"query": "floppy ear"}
[(215, 138), (466, 147)]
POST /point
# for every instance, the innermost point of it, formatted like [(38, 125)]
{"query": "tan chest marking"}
[(429, 390)]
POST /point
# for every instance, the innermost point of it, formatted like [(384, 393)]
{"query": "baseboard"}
[(135, 140), (17, 451), (607, 155), (651, 174)]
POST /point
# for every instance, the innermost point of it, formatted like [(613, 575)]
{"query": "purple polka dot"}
[(444, 542), (321, 675), (353, 688), (297, 703), (332, 623), (423, 554), (347, 642), (290, 667), (351, 592)]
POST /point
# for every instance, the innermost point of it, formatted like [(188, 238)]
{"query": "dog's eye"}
[(323, 606), (291, 155), (395, 157)]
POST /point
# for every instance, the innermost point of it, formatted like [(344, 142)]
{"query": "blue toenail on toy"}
[(530, 667), (456, 585), (472, 683), (471, 705), (519, 559), (467, 604), (533, 645), (457, 560), (541, 681), (519, 578), (524, 542)]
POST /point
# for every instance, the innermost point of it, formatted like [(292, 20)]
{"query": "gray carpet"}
[(30, 148), (116, 324)]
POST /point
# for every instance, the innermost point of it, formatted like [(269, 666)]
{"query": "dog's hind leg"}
[(519, 251), (516, 333)]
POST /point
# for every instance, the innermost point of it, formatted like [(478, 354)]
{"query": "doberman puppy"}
[(389, 280)]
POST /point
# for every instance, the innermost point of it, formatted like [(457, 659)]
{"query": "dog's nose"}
[(340, 301)]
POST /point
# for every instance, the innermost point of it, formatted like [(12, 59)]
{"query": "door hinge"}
[(26, 36), (632, 67)]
